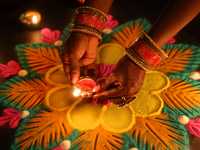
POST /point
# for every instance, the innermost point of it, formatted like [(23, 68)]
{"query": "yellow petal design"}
[(147, 104), (56, 76), (84, 116), (60, 98), (155, 78), (109, 53), (118, 120)]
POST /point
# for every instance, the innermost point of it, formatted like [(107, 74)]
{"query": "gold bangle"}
[(93, 27), (140, 59), (150, 42), (95, 10), (98, 15), (134, 59), (145, 52), (83, 26), (86, 31)]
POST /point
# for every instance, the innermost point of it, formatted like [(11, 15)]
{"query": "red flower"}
[(11, 68), (50, 36)]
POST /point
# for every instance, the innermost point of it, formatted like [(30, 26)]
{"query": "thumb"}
[(105, 83), (74, 68)]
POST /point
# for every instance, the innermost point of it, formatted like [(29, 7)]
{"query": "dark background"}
[(56, 15)]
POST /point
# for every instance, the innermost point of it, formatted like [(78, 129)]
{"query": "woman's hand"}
[(79, 50), (130, 79)]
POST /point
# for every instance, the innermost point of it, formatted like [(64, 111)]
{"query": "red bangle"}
[(146, 53), (89, 20)]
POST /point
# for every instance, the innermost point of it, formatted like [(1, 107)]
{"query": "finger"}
[(90, 55), (105, 84), (91, 70), (109, 87), (109, 93), (67, 71), (83, 71), (121, 102), (127, 102), (98, 87), (66, 65), (116, 100), (84, 61), (74, 68)]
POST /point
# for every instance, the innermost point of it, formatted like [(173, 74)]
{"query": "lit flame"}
[(76, 92), (34, 19)]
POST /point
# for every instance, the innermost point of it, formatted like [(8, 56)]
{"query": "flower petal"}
[(126, 34), (24, 92), (155, 78), (84, 116), (182, 97), (109, 53), (56, 76), (38, 58), (182, 59), (60, 97), (147, 104), (118, 120)]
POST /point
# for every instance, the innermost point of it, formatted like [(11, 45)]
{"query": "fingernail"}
[(74, 78), (96, 88)]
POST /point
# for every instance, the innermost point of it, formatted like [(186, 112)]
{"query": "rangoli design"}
[(57, 120)]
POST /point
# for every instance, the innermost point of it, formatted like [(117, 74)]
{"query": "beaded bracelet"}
[(145, 52), (89, 20)]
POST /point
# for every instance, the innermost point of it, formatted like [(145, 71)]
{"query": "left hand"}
[(130, 79)]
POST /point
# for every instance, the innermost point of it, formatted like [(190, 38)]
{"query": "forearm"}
[(176, 15), (103, 5)]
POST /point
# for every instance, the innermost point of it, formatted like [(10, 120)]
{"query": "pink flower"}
[(50, 36), (171, 41), (104, 70), (11, 68), (104, 101), (58, 148), (11, 116), (101, 101), (193, 126), (110, 24), (93, 101)]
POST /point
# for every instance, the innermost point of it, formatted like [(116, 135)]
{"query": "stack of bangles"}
[(89, 20), (145, 52)]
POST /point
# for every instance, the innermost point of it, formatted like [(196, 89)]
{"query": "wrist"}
[(145, 52), (103, 5), (89, 20)]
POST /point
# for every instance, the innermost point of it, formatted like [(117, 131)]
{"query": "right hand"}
[(79, 50), (130, 78)]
